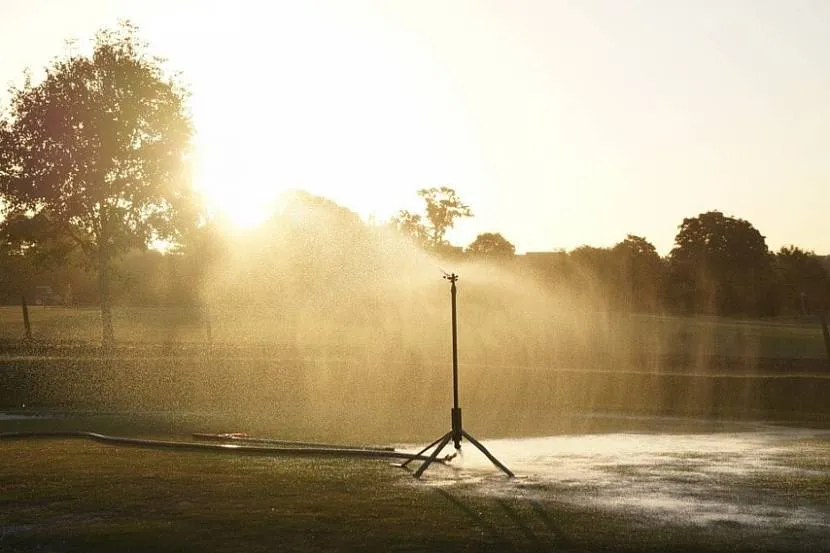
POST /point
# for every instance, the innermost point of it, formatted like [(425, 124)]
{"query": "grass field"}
[(66, 495), (618, 335), (261, 375), (359, 384)]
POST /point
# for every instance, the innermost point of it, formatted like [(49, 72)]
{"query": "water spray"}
[(457, 432)]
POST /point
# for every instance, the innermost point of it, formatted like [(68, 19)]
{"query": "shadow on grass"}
[(552, 539), (544, 516)]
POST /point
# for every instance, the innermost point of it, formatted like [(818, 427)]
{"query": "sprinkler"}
[(457, 432)]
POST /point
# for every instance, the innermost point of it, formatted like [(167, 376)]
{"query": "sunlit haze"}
[(560, 123), (175, 367)]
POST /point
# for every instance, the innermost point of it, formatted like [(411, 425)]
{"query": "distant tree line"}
[(720, 265)]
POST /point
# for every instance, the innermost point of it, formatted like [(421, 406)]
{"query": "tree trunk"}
[(107, 333), (826, 333)]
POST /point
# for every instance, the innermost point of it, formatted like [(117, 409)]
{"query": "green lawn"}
[(59, 495), (377, 384), (359, 384), (735, 337), (506, 338)]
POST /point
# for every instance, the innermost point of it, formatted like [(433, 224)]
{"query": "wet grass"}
[(71, 495), (59, 495), (794, 486)]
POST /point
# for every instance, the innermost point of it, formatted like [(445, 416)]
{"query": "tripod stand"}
[(457, 432)]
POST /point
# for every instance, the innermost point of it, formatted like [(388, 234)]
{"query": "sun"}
[(321, 106), (236, 184)]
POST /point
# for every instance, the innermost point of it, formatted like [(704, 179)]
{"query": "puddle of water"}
[(758, 477)]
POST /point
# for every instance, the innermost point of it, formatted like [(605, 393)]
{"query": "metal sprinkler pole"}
[(453, 292), (457, 432), (455, 415)]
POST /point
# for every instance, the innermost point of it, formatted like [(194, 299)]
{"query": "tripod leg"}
[(422, 451), (487, 453), (444, 441)]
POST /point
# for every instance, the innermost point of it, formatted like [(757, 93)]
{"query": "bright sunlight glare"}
[(234, 189), (318, 107)]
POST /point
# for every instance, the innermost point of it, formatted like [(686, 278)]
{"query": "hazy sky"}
[(561, 123)]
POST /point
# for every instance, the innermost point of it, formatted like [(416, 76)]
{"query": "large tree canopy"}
[(804, 284), (720, 264), (492, 245), (96, 153)]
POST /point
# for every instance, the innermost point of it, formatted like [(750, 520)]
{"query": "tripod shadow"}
[(553, 540), (486, 526), (544, 516)]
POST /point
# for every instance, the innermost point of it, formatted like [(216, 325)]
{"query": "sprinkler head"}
[(452, 277)]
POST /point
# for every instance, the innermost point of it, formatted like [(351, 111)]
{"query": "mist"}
[(318, 324)]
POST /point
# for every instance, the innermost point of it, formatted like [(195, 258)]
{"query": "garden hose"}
[(311, 450)]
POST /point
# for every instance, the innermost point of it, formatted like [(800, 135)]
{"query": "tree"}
[(640, 273), (442, 207), (491, 244), (96, 153), (803, 283), (411, 226), (591, 271), (720, 265)]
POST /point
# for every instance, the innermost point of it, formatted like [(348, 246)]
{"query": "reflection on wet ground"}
[(746, 474)]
